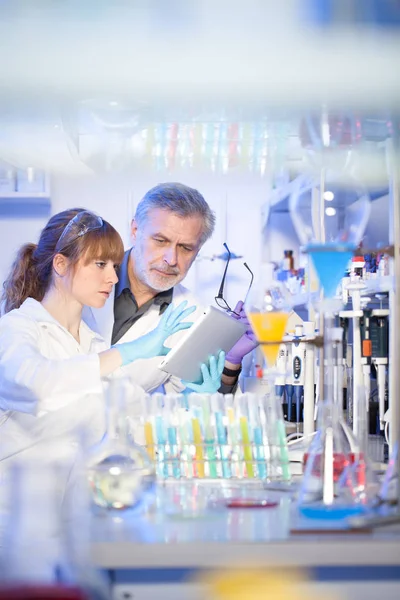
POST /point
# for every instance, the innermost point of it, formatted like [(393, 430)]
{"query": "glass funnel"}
[(268, 308), (120, 472), (330, 221)]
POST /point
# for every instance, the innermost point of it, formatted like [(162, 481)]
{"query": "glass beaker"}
[(120, 472)]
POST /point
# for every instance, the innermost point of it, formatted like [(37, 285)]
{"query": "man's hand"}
[(247, 343)]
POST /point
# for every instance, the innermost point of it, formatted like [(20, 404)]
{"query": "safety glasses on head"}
[(80, 225)]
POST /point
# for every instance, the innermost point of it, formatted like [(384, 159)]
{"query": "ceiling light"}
[(329, 196), (330, 211)]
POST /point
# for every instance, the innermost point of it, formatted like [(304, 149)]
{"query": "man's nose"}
[(171, 256)]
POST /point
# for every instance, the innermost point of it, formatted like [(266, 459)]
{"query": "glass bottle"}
[(120, 472), (288, 261)]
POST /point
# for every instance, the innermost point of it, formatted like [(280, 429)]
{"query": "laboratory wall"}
[(240, 202), (237, 202), (378, 228), (13, 234)]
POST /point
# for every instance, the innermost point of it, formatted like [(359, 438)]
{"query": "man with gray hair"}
[(171, 224)]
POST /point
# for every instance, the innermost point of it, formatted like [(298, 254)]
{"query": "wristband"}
[(231, 372)]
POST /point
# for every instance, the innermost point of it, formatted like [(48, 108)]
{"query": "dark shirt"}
[(126, 310)]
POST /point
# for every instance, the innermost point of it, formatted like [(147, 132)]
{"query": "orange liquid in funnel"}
[(270, 328)]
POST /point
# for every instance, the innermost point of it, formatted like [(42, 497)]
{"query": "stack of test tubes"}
[(215, 437)]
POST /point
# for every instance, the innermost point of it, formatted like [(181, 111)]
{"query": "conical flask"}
[(120, 472), (44, 547), (334, 482)]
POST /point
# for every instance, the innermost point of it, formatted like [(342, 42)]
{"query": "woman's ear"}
[(60, 265)]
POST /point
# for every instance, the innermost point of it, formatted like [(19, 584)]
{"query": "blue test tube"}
[(223, 442), (173, 445)]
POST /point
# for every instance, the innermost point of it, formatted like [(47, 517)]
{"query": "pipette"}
[(298, 360), (366, 349), (281, 365), (380, 353), (309, 396), (355, 287), (289, 383)]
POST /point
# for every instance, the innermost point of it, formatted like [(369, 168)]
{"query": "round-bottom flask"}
[(120, 472)]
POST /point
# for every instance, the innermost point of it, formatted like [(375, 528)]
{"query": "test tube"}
[(157, 409), (245, 432), (232, 435), (196, 411), (276, 434), (217, 405), (171, 420), (209, 439)]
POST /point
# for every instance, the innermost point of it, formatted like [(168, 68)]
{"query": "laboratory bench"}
[(163, 551)]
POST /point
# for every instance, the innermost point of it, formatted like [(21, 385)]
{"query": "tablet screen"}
[(215, 330)]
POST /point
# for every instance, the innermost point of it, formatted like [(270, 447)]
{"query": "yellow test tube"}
[(149, 437), (248, 456), (198, 443)]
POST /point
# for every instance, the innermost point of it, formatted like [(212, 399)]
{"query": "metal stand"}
[(394, 298)]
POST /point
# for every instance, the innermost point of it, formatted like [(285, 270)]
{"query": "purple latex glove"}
[(246, 343)]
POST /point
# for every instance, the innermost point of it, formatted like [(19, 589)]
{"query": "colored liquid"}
[(330, 262), (118, 483), (340, 463), (269, 329)]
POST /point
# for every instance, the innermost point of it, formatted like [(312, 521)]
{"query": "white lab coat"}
[(144, 372), (49, 383)]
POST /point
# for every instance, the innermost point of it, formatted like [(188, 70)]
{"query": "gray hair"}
[(180, 199)]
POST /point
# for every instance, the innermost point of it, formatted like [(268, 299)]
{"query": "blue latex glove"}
[(152, 344), (211, 376), (246, 343)]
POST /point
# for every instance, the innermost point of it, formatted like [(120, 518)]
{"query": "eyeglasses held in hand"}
[(219, 298)]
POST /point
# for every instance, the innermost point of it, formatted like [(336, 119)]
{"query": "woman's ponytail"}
[(23, 281)]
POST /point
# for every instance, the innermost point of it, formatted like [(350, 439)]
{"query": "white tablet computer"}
[(215, 330)]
